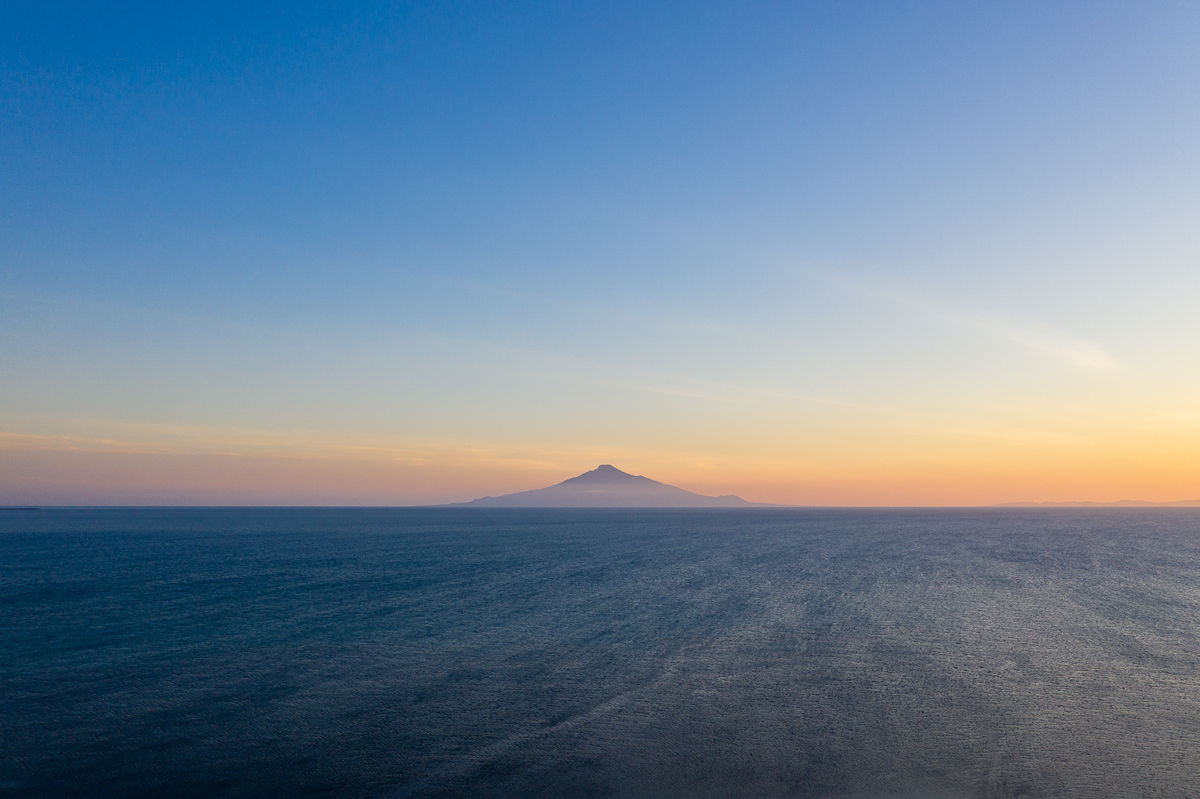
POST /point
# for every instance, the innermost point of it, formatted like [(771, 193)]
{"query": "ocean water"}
[(490, 653)]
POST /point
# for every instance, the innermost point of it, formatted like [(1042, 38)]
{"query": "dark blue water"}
[(361, 653)]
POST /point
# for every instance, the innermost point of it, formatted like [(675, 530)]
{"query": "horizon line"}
[(1125, 504)]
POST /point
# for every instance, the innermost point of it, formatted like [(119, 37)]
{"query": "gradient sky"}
[(817, 253)]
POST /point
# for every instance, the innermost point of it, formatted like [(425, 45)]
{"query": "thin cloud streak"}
[(1055, 344), (1033, 336), (585, 373)]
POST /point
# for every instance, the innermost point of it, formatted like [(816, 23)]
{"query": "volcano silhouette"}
[(609, 487)]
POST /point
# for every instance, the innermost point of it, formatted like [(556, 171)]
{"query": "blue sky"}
[(788, 249)]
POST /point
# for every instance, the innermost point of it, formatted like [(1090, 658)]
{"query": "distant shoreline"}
[(1124, 503)]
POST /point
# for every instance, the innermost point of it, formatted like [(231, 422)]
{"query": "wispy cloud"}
[(1038, 338), (585, 371), (1031, 335)]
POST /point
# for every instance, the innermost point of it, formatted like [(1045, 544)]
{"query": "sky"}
[(404, 253)]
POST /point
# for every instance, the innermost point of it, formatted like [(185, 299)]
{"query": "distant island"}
[(1124, 503), (608, 487)]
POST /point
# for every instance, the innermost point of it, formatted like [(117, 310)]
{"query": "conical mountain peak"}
[(606, 486), (607, 474)]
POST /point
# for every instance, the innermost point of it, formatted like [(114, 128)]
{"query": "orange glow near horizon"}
[(190, 468)]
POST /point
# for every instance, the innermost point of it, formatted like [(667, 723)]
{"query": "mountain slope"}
[(608, 487)]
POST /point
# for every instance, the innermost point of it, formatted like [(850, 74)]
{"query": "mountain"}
[(609, 487)]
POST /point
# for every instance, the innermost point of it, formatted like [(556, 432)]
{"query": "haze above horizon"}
[(400, 253)]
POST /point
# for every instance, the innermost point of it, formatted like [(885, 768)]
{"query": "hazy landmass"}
[(609, 487), (1124, 503)]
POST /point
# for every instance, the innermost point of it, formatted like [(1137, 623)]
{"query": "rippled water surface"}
[(353, 653)]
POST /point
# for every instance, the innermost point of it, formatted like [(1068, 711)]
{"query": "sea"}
[(600, 653)]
